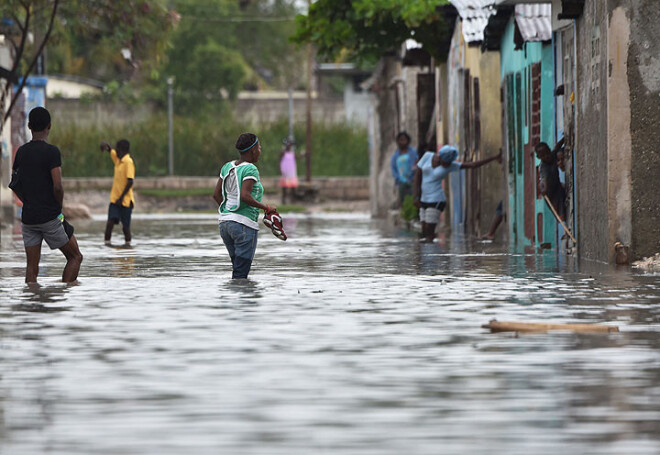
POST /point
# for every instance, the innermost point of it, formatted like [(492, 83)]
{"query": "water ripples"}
[(351, 338)]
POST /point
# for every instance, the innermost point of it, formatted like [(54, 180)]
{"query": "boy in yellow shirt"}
[(121, 195)]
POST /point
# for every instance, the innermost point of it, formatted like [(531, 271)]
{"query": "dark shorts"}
[(117, 213), (500, 209)]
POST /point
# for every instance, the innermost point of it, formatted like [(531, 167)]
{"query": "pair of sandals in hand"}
[(273, 221)]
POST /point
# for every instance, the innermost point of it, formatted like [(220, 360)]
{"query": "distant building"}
[(71, 87), (357, 100)]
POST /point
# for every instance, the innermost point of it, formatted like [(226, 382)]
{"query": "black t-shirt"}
[(34, 162)]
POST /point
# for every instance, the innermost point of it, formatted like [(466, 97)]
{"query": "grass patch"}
[(202, 144), (291, 208), (176, 192)]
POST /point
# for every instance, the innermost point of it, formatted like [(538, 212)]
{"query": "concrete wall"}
[(269, 110), (384, 126), (591, 141), (97, 113), (492, 177), (254, 110), (643, 71), (617, 141), (474, 194), (68, 88)]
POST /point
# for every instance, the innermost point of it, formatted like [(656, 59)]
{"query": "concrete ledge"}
[(341, 188)]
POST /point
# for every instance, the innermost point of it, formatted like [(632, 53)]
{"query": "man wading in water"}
[(121, 195), (38, 165)]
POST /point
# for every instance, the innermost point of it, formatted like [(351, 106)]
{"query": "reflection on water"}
[(348, 338)]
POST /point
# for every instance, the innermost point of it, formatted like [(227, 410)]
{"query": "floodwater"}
[(350, 338)]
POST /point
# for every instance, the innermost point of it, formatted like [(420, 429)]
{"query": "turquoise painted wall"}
[(515, 68), (547, 135)]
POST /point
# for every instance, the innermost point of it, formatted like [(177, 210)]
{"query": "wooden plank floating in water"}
[(508, 326)]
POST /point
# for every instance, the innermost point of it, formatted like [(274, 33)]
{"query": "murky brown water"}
[(350, 338)]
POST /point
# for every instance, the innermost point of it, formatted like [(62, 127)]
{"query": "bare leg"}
[(284, 191), (73, 260), (33, 254), (127, 233), (108, 230), (430, 231), (497, 219)]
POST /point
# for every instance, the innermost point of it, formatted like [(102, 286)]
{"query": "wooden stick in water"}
[(509, 326), (554, 212)]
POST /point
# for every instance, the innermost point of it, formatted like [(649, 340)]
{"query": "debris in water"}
[(509, 326), (650, 264)]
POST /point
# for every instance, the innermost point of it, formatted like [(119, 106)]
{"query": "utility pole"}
[(308, 137), (170, 125), (290, 114)]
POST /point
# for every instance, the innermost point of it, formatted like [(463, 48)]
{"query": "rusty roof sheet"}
[(474, 15), (534, 21)]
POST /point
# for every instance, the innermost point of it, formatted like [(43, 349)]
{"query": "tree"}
[(222, 46), (110, 40), (136, 26), (213, 71), (366, 29), (23, 14)]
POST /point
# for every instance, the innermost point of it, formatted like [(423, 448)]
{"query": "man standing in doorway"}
[(402, 165), (38, 166), (121, 195)]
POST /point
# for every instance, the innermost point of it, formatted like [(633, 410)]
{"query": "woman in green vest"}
[(239, 192)]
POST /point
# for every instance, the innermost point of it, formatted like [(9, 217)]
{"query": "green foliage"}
[(202, 144), (221, 46), (291, 208), (366, 29), (211, 69), (408, 210), (89, 36)]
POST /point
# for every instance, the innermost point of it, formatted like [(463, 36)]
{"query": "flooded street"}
[(350, 338)]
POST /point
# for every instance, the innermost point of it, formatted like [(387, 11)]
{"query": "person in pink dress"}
[(288, 169)]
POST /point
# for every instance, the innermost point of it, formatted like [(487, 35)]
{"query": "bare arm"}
[(58, 189), (246, 196), (476, 164), (217, 193), (417, 186)]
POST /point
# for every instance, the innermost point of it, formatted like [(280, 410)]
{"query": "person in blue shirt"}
[(429, 197), (402, 164)]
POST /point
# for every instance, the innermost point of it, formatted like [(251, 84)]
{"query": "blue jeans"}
[(241, 243)]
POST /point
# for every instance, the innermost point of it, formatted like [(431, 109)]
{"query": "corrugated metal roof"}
[(474, 15), (534, 21)]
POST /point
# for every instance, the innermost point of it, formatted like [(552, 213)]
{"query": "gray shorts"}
[(52, 232)]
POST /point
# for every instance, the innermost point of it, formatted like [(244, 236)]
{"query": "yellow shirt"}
[(124, 170)]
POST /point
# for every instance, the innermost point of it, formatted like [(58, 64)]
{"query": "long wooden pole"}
[(510, 326), (554, 212)]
